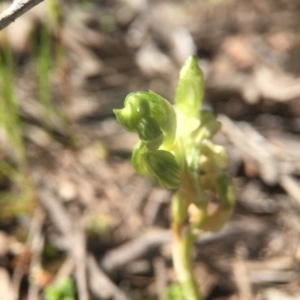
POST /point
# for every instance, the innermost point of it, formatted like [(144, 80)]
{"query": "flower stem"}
[(182, 248)]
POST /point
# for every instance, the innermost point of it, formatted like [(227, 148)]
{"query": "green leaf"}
[(190, 89), (63, 289), (138, 158), (163, 166), (164, 113), (174, 292)]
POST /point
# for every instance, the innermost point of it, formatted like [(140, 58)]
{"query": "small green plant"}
[(49, 52), (174, 292), (63, 289), (10, 123), (176, 148), (9, 108), (44, 65)]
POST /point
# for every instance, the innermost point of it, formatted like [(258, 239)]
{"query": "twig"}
[(100, 283), (291, 186), (240, 273), (73, 234), (121, 256), (15, 10), (161, 277), (66, 269), (272, 276), (253, 146), (16, 280), (36, 243), (242, 280), (79, 254)]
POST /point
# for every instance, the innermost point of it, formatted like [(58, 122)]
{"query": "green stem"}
[(182, 248)]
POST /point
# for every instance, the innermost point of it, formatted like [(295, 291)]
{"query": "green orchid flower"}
[(153, 118), (176, 148)]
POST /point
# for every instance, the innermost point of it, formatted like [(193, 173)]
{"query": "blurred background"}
[(76, 221)]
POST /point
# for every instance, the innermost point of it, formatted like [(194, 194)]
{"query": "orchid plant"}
[(176, 148)]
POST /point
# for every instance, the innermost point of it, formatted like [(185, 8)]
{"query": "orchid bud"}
[(141, 105), (190, 88), (135, 108)]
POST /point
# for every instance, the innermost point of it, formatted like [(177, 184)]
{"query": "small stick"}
[(73, 233), (161, 277), (36, 244), (100, 283), (15, 10)]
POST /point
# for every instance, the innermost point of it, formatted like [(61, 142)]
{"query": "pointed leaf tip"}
[(190, 88), (191, 69)]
